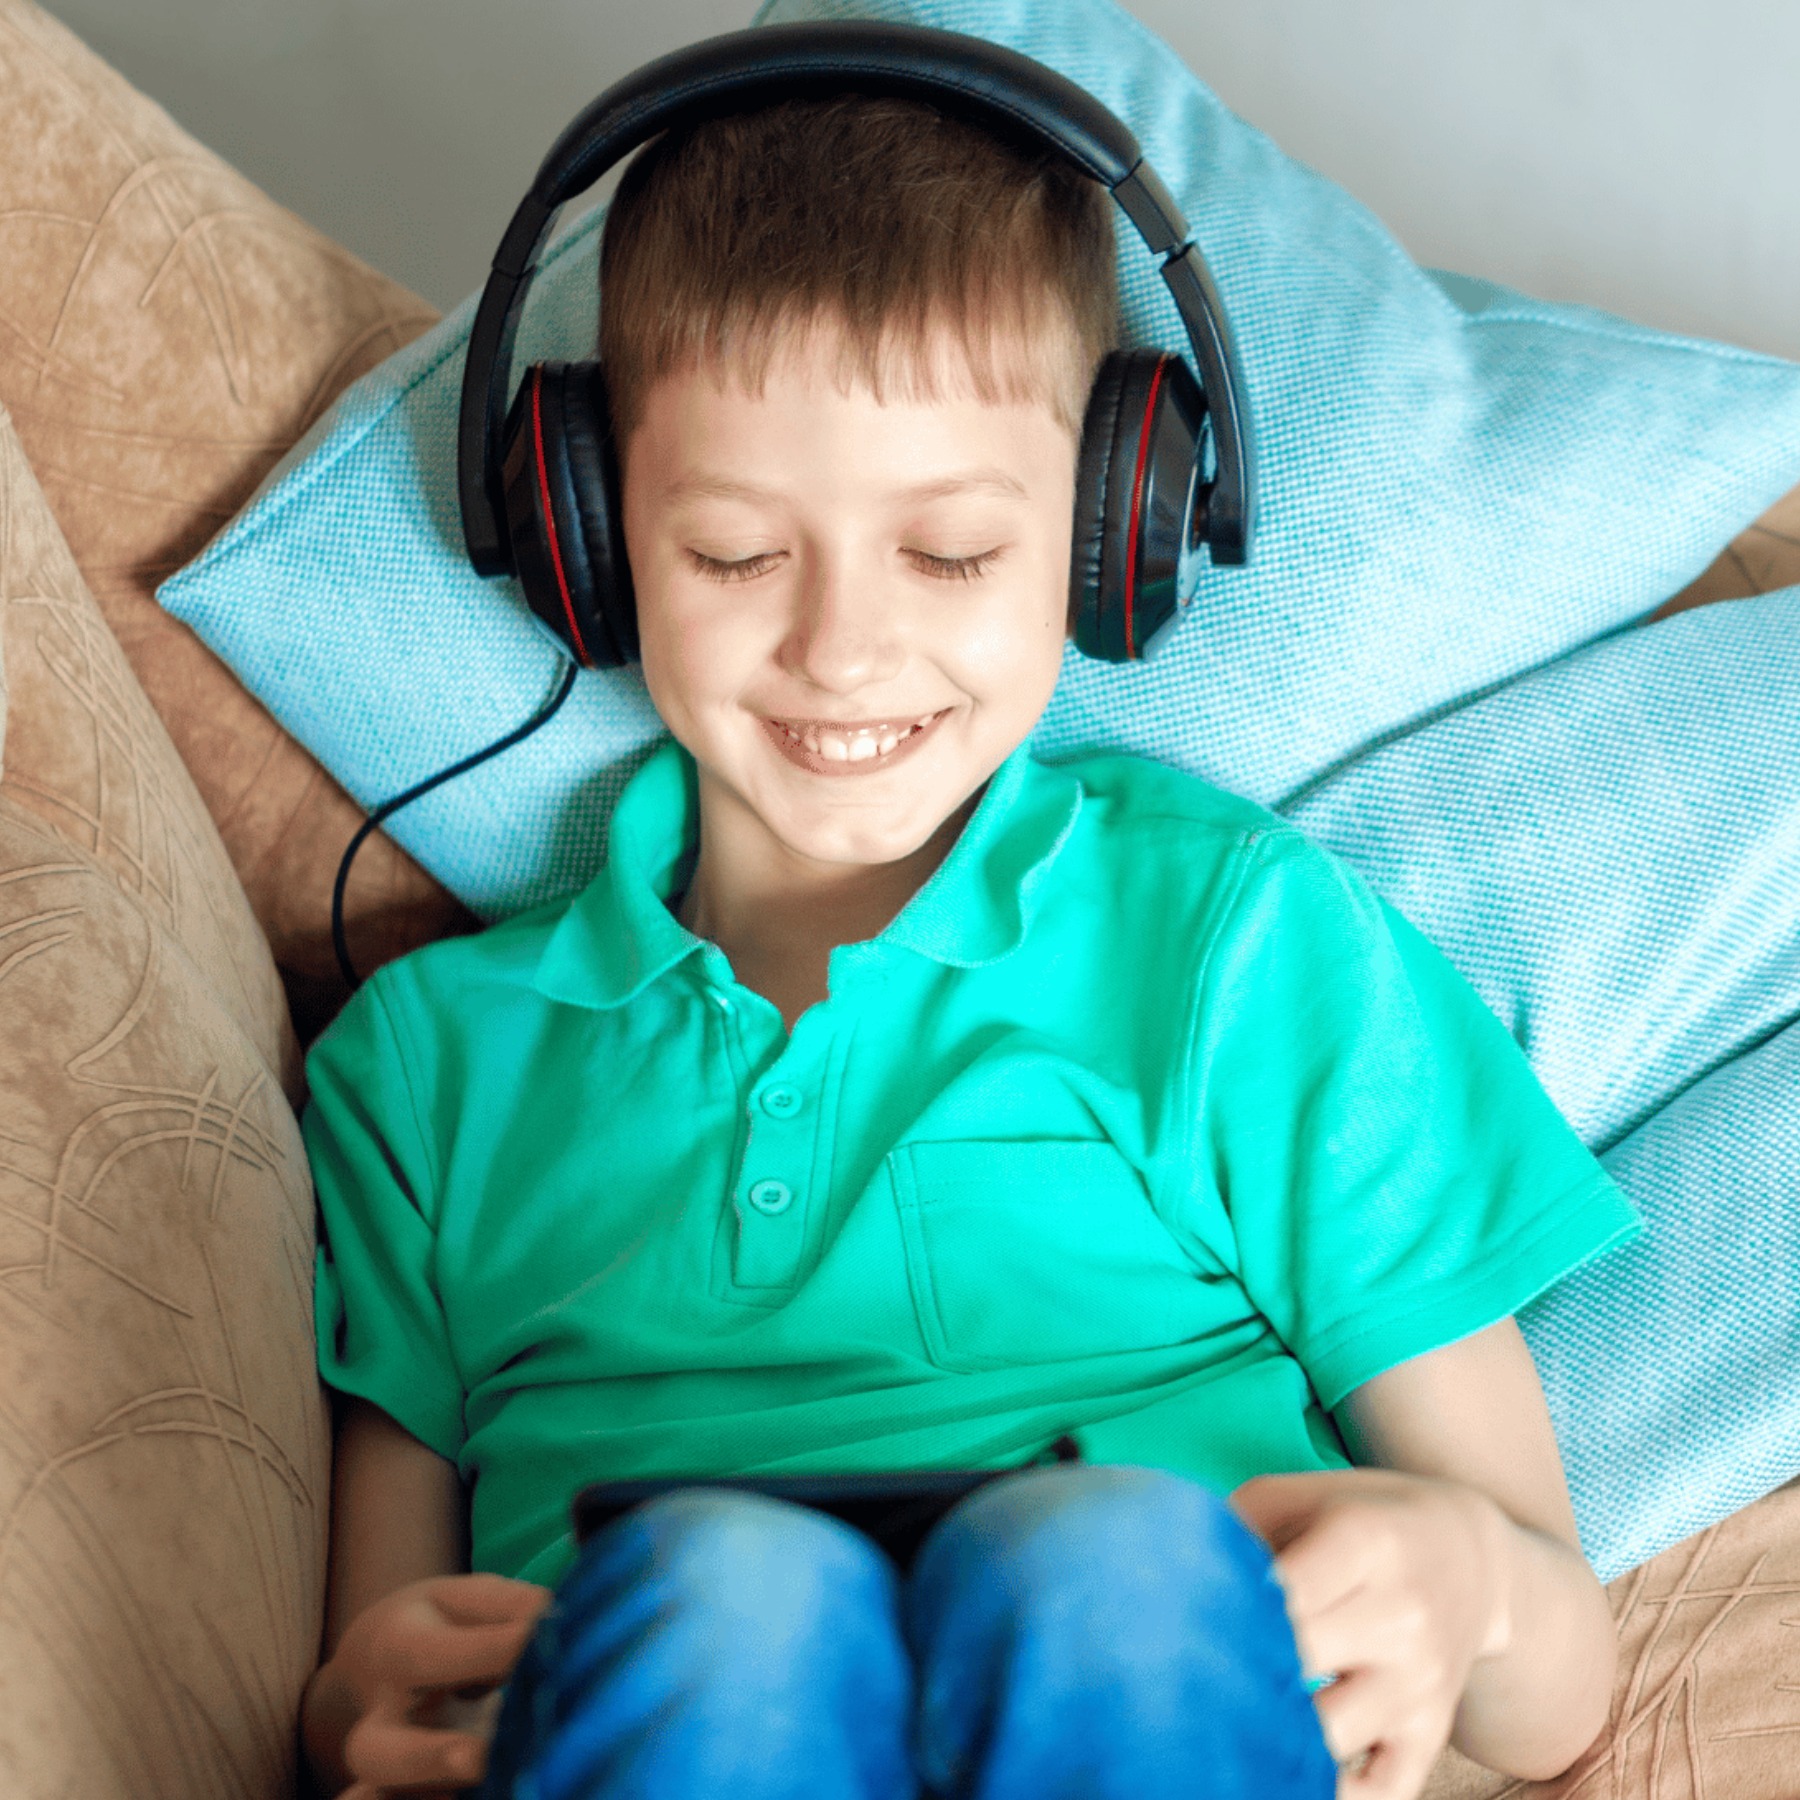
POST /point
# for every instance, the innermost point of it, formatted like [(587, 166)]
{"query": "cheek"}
[(698, 646), (1032, 624)]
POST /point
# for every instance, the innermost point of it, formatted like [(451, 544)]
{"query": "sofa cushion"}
[(166, 332), (164, 1470), (1707, 1697), (164, 1466), (84, 750)]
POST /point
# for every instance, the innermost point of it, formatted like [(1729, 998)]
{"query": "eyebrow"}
[(971, 481)]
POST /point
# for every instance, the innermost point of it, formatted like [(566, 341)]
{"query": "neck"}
[(778, 916)]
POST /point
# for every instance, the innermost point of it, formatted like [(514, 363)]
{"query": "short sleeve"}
[(381, 1328), (1393, 1174)]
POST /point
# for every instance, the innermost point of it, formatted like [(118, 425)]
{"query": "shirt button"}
[(771, 1196), (721, 1001), (780, 1101)]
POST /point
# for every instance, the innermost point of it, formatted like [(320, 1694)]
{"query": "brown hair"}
[(882, 216)]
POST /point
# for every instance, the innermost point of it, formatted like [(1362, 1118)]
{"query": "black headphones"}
[(539, 484)]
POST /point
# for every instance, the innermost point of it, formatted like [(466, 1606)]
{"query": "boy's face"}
[(851, 610)]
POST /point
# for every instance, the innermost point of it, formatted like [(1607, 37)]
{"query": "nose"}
[(844, 632)]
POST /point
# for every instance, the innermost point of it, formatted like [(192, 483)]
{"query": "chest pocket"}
[(1021, 1253)]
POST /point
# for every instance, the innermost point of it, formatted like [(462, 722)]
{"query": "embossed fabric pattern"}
[(164, 1462), (1706, 1705), (85, 751), (166, 332), (163, 1442)]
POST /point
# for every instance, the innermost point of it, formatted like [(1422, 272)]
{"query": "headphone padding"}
[(594, 487), (565, 511), (1093, 475), (560, 508), (1169, 494), (1118, 413)]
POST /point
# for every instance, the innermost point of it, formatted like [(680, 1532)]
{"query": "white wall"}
[(1642, 155)]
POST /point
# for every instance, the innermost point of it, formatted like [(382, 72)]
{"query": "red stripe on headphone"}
[(562, 583), (1137, 501)]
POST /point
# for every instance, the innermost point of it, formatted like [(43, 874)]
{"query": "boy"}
[(894, 1101)]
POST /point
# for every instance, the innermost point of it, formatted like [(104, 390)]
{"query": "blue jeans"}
[(1084, 1631)]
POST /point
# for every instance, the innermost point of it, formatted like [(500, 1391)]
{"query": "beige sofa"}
[(165, 856)]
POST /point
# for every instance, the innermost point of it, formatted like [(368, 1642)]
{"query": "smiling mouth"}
[(866, 741)]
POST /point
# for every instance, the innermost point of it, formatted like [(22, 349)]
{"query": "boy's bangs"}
[(1006, 351)]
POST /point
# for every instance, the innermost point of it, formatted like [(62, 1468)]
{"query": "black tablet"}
[(895, 1510)]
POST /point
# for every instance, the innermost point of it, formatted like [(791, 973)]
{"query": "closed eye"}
[(953, 568), (743, 568)]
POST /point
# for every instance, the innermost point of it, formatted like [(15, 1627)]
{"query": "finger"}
[(477, 1713), (1350, 1715), (1381, 1629), (1279, 1507), (1330, 1563), (1396, 1770), (1377, 1706), (364, 1791), (486, 1599), (392, 1753), (421, 1655)]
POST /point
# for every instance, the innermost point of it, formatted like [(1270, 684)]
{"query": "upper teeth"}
[(855, 743)]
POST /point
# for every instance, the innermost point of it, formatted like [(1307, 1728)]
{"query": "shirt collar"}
[(619, 935), (978, 903)]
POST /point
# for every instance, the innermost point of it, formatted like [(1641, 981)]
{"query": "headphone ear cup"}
[(1094, 464), (594, 473), (560, 479), (1138, 475)]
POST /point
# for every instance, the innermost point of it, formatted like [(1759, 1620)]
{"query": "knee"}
[(1101, 1544), (704, 1639), (1125, 1597), (1117, 1528)]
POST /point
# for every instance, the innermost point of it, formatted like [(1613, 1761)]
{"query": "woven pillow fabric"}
[(1456, 484), (1608, 848)]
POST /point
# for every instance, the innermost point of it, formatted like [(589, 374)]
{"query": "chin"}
[(866, 849), (867, 832)]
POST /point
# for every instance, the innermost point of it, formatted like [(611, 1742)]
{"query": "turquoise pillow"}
[(1608, 848), (1457, 484)]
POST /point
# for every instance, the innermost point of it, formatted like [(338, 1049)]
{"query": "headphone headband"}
[(965, 76)]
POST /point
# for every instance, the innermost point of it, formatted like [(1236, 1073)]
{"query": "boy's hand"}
[(1397, 1584), (405, 1662)]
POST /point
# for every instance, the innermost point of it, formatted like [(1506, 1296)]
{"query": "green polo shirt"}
[(1145, 1120)]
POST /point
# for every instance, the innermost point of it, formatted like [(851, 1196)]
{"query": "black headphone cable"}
[(386, 810)]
